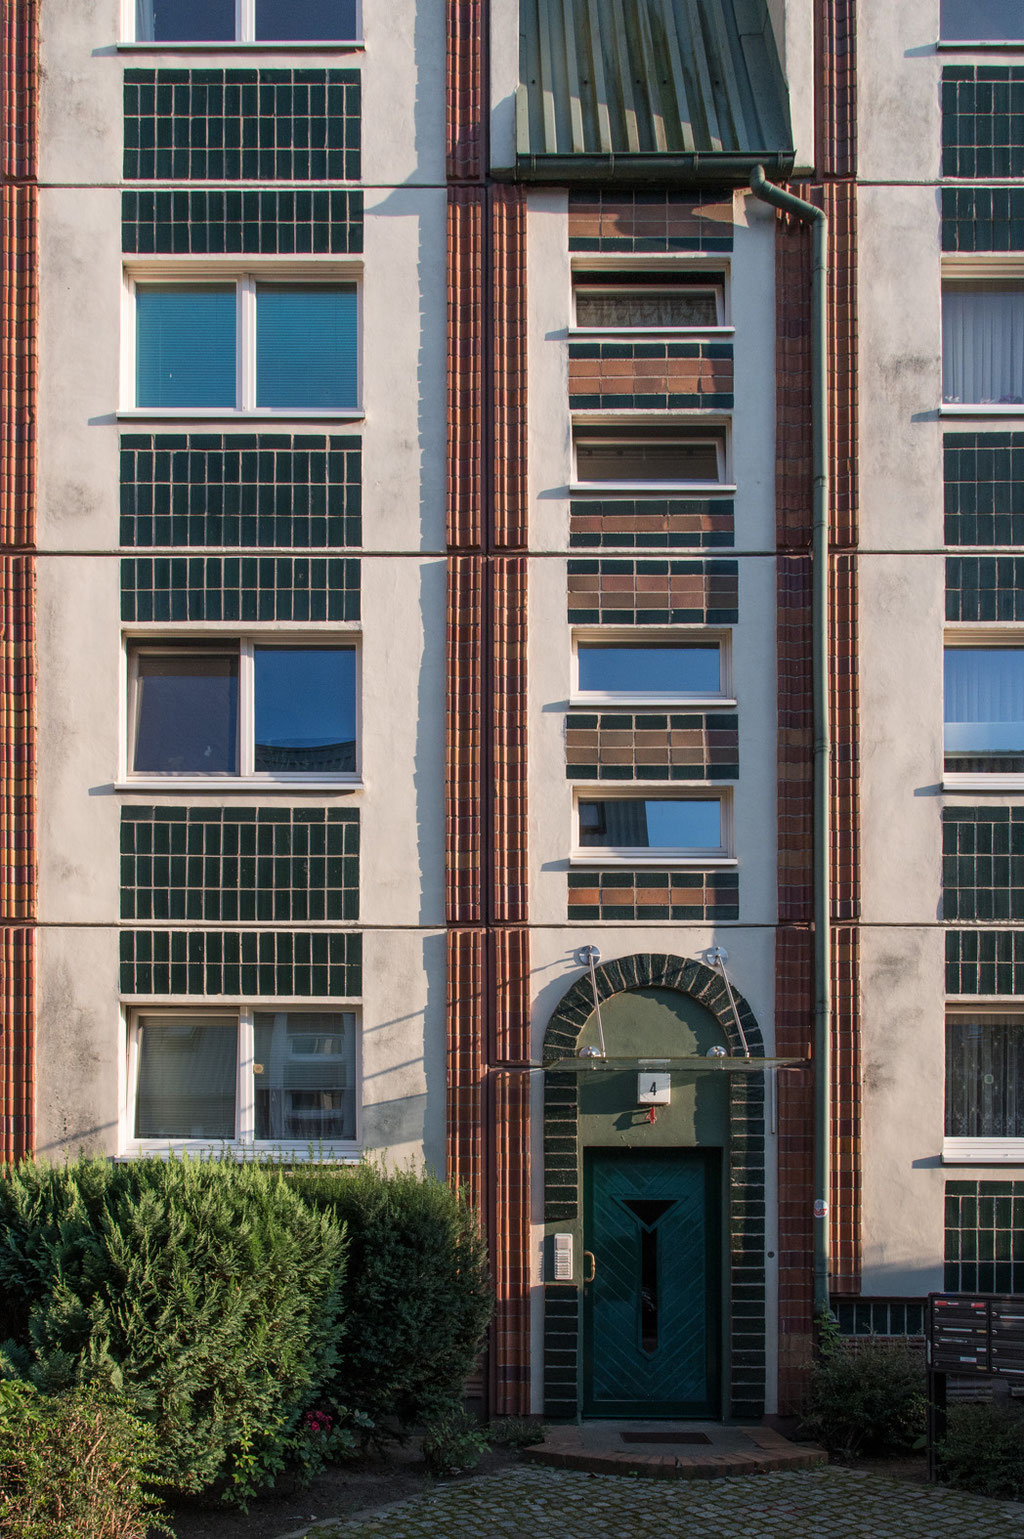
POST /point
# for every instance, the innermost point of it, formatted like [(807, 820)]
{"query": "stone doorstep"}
[(597, 1448)]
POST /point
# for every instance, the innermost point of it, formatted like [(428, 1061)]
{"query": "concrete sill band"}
[(597, 1447)]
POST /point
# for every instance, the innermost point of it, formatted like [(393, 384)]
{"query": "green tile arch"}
[(746, 1171)]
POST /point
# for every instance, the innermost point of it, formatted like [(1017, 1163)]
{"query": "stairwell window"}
[(284, 1078), (648, 301), (983, 342), (984, 1086), (662, 829), (245, 345), (247, 21), (649, 458), (984, 709), (650, 669)]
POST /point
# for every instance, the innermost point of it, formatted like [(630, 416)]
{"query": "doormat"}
[(664, 1437)]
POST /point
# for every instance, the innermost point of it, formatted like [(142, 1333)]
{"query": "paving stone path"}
[(801, 1504)]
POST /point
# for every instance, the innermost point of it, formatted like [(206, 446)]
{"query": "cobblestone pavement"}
[(800, 1504)]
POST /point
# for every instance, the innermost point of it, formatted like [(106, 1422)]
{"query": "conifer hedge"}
[(205, 1296), (418, 1296)]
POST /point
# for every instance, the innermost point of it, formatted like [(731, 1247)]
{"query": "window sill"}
[(582, 332), (595, 860), (655, 488), (229, 414), (348, 1153), (236, 785), (979, 45), (232, 45), (669, 702), (983, 1151), (991, 782), (980, 409)]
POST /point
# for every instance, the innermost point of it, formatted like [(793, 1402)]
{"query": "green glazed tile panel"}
[(650, 523), (983, 120), (242, 588), (224, 222), (658, 745), (983, 219), (984, 488), (252, 490), (649, 221), (985, 962), (980, 588), (242, 964), (880, 1317), (681, 896), (672, 592), (288, 865), (984, 1250), (650, 376), (291, 125), (983, 863)]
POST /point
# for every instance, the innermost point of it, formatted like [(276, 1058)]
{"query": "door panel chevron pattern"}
[(650, 1341)]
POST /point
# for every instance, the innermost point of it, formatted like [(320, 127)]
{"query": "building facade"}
[(511, 652)]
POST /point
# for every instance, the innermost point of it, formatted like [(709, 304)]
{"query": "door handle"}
[(588, 1257)]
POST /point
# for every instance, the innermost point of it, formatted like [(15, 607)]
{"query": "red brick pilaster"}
[(19, 37), (488, 950), (794, 1018)]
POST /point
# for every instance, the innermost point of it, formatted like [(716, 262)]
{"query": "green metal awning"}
[(679, 91)]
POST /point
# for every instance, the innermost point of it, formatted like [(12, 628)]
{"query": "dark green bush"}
[(867, 1399), (453, 1442), (205, 1295), (983, 1450), (418, 1297), (72, 1466)]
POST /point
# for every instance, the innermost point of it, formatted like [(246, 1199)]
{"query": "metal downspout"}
[(769, 193)]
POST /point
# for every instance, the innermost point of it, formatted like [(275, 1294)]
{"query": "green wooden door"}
[(651, 1311)]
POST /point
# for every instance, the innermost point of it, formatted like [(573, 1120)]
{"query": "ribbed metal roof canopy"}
[(650, 90)]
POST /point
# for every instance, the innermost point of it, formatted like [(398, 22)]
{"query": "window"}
[(260, 21), (983, 342), (981, 20), (984, 1085), (648, 457), (260, 710), (984, 708), (246, 345), (662, 827), (247, 1076), (645, 670), (648, 301)]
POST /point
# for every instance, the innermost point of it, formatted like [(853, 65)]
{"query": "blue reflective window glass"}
[(186, 714), (299, 21), (305, 710), (306, 345), (651, 823), (984, 690), (185, 344), (185, 21), (629, 668), (981, 20)]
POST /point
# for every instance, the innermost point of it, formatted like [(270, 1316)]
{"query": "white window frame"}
[(244, 1144), (653, 636), (243, 646), (707, 275), (313, 271), (696, 429), (245, 35), (978, 1151), (988, 636), (589, 855), (978, 268), (970, 45)]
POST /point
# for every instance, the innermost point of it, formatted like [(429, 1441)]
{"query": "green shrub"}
[(418, 1298), (453, 1442), (983, 1450), (517, 1432), (868, 1399), (205, 1295), (71, 1467)]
